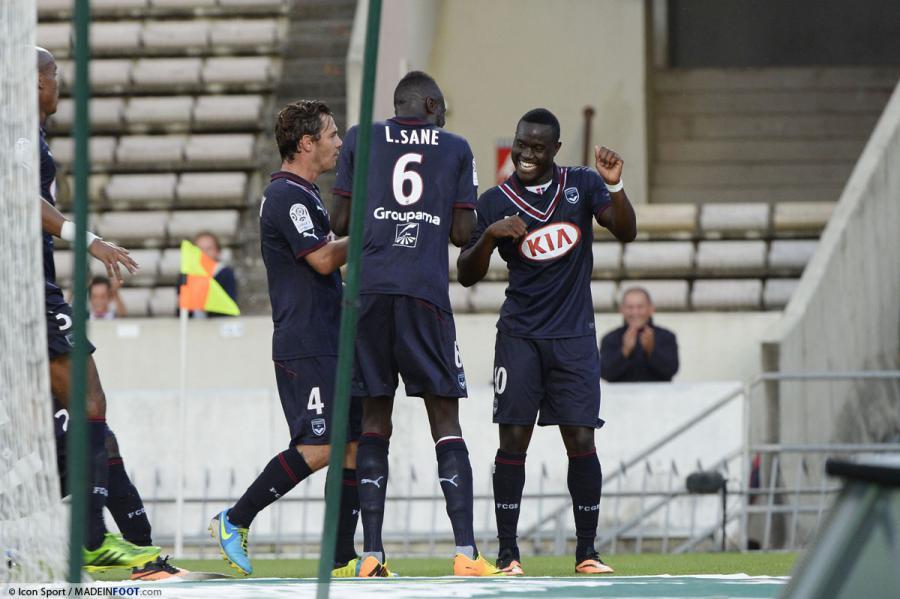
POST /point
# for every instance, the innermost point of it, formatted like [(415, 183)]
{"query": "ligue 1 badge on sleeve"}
[(572, 195)]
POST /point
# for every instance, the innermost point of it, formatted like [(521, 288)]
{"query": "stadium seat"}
[(102, 5), (603, 295), (731, 257), (51, 6), (55, 37), (220, 149), (96, 185), (151, 149), (213, 190), (188, 4), (115, 37), (63, 260), (134, 229), (164, 301), (607, 259), (106, 114), (666, 294), (166, 73), (245, 33), (136, 300), (101, 149), (184, 224), (148, 260), (459, 298), (777, 293), (176, 36), (106, 74), (167, 112), (241, 70), (258, 4), (666, 221), (748, 219), (658, 258), (801, 218), (141, 191), (791, 255), (487, 296), (726, 294), (169, 266), (228, 112)]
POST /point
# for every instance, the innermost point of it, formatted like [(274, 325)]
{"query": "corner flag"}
[(199, 290)]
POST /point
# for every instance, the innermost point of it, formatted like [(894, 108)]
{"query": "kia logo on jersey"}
[(550, 242)]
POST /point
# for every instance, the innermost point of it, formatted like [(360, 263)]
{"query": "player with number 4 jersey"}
[(421, 192), (302, 259), (546, 363)]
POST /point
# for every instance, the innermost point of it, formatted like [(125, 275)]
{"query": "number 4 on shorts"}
[(315, 401)]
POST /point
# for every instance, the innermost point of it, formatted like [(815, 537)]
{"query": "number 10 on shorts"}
[(315, 401), (499, 380)]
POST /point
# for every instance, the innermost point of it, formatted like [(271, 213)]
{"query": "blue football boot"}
[(232, 542)]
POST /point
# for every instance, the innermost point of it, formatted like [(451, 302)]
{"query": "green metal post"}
[(349, 305), (76, 436)]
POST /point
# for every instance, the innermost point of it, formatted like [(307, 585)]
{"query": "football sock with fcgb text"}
[(509, 480), (281, 474), (585, 483)]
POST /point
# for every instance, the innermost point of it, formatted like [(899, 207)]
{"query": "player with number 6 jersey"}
[(546, 363), (302, 259), (421, 192)]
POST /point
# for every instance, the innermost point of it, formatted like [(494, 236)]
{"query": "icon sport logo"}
[(550, 242), (407, 235)]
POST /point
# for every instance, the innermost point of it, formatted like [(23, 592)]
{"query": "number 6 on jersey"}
[(401, 176)]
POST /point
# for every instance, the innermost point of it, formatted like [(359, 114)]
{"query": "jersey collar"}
[(295, 178), (410, 121), (515, 192)]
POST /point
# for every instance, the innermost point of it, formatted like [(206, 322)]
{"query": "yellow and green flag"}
[(199, 290)]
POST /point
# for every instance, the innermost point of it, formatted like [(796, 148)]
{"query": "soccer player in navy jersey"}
[(421, 191), (546, 363), (302, 259), (102, 549)]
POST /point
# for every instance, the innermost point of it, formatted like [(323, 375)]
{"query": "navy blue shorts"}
[(408, 336), (60, 332), (556, 381), (306, 389)]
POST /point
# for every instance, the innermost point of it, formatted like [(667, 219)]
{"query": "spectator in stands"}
[(104, 299), (639, 351), (209, 245)]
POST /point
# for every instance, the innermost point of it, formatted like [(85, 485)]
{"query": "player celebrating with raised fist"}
[(546, 362)]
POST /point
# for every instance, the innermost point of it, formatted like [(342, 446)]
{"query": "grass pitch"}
[(647, 564)]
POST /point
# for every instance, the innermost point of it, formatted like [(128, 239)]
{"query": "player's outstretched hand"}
[(112, 256), (609, 164), (511, 227)]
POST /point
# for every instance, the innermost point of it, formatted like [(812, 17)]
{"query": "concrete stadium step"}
[(752, 175), (766, 151), (322, 9), (316, 77), (322, 39), (769, 102), (674, 194), (828, 78), (766, 126)]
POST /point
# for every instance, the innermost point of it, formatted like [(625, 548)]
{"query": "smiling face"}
[(533, 151), (637, 309)]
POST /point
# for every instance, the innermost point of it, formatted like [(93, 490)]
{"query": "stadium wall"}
[(845, 315), (496, 60)]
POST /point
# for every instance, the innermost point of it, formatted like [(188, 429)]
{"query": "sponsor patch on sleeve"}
[(474, 174)]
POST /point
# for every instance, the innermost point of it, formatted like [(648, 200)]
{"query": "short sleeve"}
[(343, 184), (300, 222), (482, 222), (597, 192), (467, 186)]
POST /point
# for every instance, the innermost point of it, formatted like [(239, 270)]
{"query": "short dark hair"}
[(296, 120), (542, 116), (638, 289), (212, 236), (99, 280), (413, 86)]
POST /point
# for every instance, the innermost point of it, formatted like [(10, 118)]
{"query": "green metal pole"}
[(76, 436), (349, 305)]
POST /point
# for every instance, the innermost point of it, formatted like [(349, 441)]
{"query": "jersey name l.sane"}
[(418, 173), (549, 291)]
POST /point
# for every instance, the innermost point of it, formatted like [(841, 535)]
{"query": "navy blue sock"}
[(281, 474), (99, 482), (347, 519), (455, 476), (585, 483), (126, 506), (372, 476), (509, 480)]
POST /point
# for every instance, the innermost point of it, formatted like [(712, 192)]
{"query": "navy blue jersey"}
[(48, 192), (549, 292), (306, 306), (418, 173)]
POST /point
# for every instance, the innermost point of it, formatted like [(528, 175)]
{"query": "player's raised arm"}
[(111, 255), (473, 262), (329, 257), (619, 216)]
